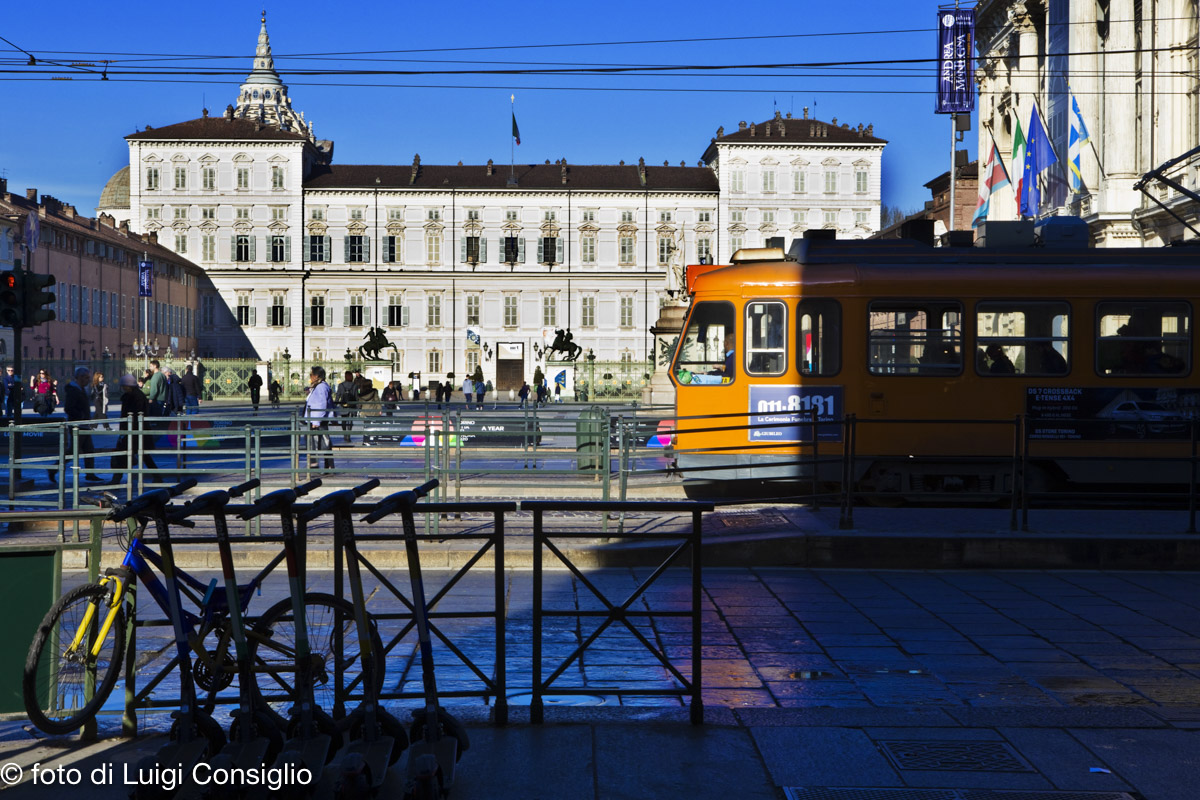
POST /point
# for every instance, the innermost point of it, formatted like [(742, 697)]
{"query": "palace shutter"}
[(541, 250), (462, 250), (253, 255), (287, 317), (482, 250), (287, 249), (346, 249), (307, 248), (558, 250), (366, 248), (521, 250), (366, 316)]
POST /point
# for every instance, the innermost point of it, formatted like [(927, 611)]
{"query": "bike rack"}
[(493, 542), (623, 613)]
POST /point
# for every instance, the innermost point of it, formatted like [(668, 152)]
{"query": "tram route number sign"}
[(785, 413), (1098, 414)]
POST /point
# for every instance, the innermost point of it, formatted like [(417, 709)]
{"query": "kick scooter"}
[(438, 739), (254, 737), (313, 736), (377, 738)]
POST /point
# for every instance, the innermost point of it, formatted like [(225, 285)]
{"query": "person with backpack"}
[(318, 408), (347, 398)]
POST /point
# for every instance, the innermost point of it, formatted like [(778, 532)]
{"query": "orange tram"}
[(949, 360)]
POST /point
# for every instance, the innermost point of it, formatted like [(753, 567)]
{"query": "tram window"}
[(706, 355), (1017, 337), (1143, 337), (819, 337), (915, 337), (766, 335)]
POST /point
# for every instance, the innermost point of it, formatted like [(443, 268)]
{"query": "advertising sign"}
[(1096, 414), (145, 279), (955, 78), (786, 413)]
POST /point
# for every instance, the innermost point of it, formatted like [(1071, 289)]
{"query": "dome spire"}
[(263, 96), (264, 65)]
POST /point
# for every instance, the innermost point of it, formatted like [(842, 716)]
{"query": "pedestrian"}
[(274, 391), (155, 390), (133, 402), (391, 396), (191, 391), (347, 397), (468, 391), (524, 394), (78, 408), (13, 390), (99, 396), (557, 392), (318, 408), (255, 383), (479, 394), (44, 398), (176, 394)]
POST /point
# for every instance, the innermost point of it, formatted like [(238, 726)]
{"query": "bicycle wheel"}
[(274, 657), (54, 681)]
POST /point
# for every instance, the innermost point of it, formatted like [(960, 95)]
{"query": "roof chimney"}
[(31, 195), (204, 113), (3, 185), (642, 171), (416, 168), (834, 122), (489, 166), (742, 125), (564, 172), (870, 129), (768, 127), (752, 127), (124, 227), (153, 237), (229, 112)]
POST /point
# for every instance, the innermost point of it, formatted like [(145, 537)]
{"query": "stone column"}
[(666, 332), (1086, 87)]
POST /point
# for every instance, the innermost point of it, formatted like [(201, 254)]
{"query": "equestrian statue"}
[(563, 344), (376, 340)]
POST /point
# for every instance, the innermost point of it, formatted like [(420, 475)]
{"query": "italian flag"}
[(1018, 157)]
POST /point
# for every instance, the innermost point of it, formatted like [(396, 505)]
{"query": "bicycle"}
[(77, 653)]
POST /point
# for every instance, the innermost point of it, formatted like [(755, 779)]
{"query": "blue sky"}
[(66, 137)]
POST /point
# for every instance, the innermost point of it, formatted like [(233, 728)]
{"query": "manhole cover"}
[(752, 520), (525, 698), (947, 756), (824, 793)]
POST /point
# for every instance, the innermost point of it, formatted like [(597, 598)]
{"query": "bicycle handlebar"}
[(147, 500), (242, 488), (344, 498), (395, 501), (279, 500)]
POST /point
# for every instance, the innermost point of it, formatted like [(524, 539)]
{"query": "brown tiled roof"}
[(528, 176), (784, 130), (220, 128)]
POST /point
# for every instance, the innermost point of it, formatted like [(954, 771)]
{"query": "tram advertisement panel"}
[(787, 410), (1094, 413)]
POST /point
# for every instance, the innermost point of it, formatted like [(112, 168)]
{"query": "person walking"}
[(468, 391), (155, 390), (99, 395), (191, 391), (13, 391), (480, 389), (318, 408), (347, 398), (557, 392), (273, 393), (45, 400), (133, 402), (255, 383), (524, 394), (78, 407)]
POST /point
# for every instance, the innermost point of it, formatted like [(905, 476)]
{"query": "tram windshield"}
[(705, 356)]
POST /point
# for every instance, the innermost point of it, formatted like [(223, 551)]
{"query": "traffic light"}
[(12, 309), (37, 295)]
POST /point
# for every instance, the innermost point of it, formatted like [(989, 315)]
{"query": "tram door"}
[(510, 366)]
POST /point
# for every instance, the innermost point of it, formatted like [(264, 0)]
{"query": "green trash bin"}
[(28, 575), (591, 434)]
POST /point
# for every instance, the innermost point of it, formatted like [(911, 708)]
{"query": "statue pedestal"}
[(666, 332), (379, 371)]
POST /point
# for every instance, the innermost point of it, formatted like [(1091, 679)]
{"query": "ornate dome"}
[(116, 192)]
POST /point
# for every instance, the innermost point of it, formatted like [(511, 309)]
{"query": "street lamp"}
[(144, 349), (287, 372), (487, 351)]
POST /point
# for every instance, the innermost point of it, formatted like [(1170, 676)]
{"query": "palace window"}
[(153, 212), (208, 178), (768, 181), (181, 177), (433, 247), (242, 213), (665, 216), (589, 215), (276, 177), (703, 250), (473, 301), (243, 177), (471, 250), (357, 249), (549, 311), (831, 186), (395, 215), (243, 248), (510, 311), (735, 243), (181, 243), (860, 181), (356, 215), (245, 311), (208, 212), (737, 215), (587, 249), (388, 248), (737, 181), (281, 315), (626, 216), (316, 213), (433, 311), (397, 311), (587, 311), (860, 218), (434, 215), (549, 216), (665, 247), (626, 312), (626, 250), (318, 248), (704, 216), (281, 249), (316, 311), (356, 314), (829, 217), (151, 178), (768, 217), (435, 362), (472, 215), (510, 215), (799, 181), (278, 213)]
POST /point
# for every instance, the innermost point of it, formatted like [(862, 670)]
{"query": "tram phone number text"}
[(787, 410)]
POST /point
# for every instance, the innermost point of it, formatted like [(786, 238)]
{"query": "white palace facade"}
[(309, 255)]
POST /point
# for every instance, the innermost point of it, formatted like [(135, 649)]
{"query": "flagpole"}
[(512, 148)]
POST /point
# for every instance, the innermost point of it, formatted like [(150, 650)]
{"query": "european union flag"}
[(1039, 155)]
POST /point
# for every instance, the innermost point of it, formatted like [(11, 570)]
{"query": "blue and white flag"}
[(145, 279), (1076, 139), (473, 336), (561, 379)]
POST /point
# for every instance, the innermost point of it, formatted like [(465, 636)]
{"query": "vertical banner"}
[(956, 79), (145, 279)]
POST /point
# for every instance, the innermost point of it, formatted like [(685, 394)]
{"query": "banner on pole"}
[(956, 79), (145, 279)]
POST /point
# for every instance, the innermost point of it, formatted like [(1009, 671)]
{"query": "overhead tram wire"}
[(694, 40)]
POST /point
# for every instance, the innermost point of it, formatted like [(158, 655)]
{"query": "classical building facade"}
[(459, 265), (98, 312), (1132, 68)]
